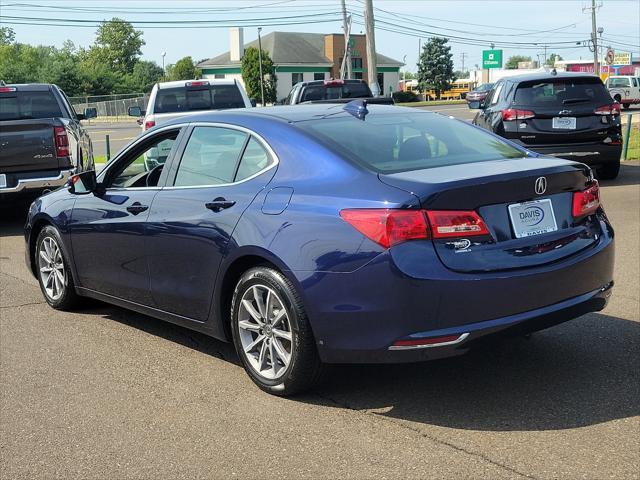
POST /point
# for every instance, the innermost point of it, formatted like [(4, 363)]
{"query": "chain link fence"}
[(111, 105)]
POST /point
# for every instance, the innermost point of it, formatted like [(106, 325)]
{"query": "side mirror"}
[(253, 102), (475, 105), (90, 112), (83, 183), (135, 111)]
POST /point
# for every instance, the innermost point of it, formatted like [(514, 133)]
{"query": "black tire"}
[(305, 368), (608, 171), (68, 298), (626, 106)]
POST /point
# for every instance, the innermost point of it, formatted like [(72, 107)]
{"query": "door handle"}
[(219, 203), (136, 207)]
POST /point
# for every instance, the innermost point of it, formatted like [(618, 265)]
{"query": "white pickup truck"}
[(624, 89), (169, 100)]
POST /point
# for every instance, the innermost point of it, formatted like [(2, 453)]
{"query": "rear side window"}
[(559, 92), (635, 81), (210, 157), (25, 105), (186, 99), (254, 159), (399, 143)]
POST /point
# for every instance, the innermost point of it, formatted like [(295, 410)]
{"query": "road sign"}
[(492, 59), (622, 58)]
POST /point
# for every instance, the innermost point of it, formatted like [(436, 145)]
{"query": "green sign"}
[(492, 59)]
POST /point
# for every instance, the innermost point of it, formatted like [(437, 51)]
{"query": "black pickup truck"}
[(332, 91), (42, 142)]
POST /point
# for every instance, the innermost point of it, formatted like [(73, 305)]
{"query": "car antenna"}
[(554, 71), (357, 108)]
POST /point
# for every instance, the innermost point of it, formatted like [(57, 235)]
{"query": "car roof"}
[(336, 81), (183, 83), (293, 113), (526, 77), (33, 87)]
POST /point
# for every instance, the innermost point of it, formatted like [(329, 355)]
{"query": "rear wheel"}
[(272, 334), (608, 171), (54, 273), (626, 106)]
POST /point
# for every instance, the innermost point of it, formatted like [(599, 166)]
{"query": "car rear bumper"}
[(406, 293), (35, 181), (591, 154)]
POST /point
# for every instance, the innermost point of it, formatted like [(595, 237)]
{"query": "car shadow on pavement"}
[(629, 175), (13, 216), (580, 373)]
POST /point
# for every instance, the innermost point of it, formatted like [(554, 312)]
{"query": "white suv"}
[(171, 100), (624, 89)]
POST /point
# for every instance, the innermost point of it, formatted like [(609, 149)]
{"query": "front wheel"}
[(608, 171), (272, 334), (54, 273), (626, 106)]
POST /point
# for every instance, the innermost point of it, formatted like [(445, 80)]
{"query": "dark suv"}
[(565, 115)]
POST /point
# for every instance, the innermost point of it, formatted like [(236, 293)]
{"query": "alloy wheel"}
[(52, 272), (265, 332)]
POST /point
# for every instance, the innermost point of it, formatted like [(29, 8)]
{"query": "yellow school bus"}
[(459, 89)]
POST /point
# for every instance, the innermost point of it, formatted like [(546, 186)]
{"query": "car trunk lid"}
[(503, 194), (27, 145)]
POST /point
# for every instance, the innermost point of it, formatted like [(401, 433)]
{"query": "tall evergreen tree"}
[(435, 66)]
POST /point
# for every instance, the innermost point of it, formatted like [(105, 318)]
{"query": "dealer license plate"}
[(532, 218), (564, 123)]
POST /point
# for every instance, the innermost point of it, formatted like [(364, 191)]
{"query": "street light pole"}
[(372, 68), (163, 72), (260, 62)]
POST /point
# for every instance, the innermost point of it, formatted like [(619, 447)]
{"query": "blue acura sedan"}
[(324, 234)]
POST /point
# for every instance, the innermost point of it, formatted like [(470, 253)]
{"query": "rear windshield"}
[(322, 92), (562, 91), (185, 99), (402, 142), (24, 105)]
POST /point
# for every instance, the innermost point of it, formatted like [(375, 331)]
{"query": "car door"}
[(221, 170), (107, 227)]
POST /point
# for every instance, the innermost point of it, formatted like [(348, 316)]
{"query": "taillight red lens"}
[(388, 227), (61, 141), (456, 223), (612, 109), (7, 89), (149, 124), (586, 201), (516, 114)]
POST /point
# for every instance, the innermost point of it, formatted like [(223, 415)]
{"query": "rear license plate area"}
[(564, 123), (532, 218)]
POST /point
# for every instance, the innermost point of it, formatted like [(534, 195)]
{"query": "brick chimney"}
[(236, 43)]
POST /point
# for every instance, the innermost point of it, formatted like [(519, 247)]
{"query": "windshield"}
[(408, 141), (186, 99), (559, 92), (25, 105), (332, 92)]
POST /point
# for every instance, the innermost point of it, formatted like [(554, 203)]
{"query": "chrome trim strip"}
[(460, 339), (39, 183)]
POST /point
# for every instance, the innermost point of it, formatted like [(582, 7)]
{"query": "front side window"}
[(210, 157), (143, 165), (396, 143)]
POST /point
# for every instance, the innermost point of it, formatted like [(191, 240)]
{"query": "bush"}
[(405, 97)]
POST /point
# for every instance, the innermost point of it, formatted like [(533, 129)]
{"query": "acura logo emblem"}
[(541, 185)]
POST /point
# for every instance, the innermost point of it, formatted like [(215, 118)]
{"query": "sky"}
[(516, 26)]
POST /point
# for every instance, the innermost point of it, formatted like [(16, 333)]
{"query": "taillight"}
[(587, 201), (456, 223), (333, 82), (612, 109), (198, 83), (388, 227), (149, 124), (61, 141), (7, 89), (516, 114)]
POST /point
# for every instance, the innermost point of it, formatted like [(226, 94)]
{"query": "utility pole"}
[(372, 69), (463, 54), (260, 62), (345, 70), (594, 35)]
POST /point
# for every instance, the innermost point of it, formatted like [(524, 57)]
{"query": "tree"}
[(513, 61), (7, 36), (408, 75), (250, 69), (117, 44), (435, 66), (553, 58), (183, 69), (145, 74)]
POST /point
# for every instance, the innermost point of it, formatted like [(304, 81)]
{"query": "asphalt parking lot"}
[(107, 393)]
